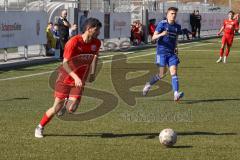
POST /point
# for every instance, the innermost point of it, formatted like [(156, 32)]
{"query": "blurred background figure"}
[(198, 19), (136, 33), (82, 20), (193, 23), (51, 41), (151, 28), (56, 35), (63, 25)]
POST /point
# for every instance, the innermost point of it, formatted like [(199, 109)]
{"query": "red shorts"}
[(63, 90), (227, 39)]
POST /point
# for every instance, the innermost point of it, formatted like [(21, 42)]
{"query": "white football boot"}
[(146, 88), (178, 96), (39, 132), (219, 60), (225, 59)]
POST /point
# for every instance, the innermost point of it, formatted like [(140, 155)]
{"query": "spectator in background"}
[(56, 35), (63, 25), (136, 32), (198, 19), (73, 30), (141, 31), (51, 42), (82, 20), (193, 23), (151, 27)]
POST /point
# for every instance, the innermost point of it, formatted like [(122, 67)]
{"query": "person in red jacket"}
[(151, 27)]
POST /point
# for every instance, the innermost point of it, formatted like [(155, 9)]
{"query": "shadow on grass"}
[(210, 100), (13, 99), (146, 135), (192, 67), (180, 147), (204, 100)]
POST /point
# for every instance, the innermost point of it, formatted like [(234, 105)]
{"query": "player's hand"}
[(176, 50), (78, 82), (218, 34)]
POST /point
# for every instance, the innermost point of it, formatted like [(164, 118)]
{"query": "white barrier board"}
[(22, 28), (120, 25)]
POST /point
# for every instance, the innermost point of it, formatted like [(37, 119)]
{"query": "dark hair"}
[(55, 24), (197, 11), (91, 22), (172, 9), (231, 12), (50, 23)]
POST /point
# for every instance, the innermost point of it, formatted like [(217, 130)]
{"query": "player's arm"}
[(157, 35), (92, 70), (66, 23), (220, 31), (77, 80), (236, 26), (159, 32)]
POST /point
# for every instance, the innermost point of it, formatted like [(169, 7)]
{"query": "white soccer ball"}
[(168, 137)]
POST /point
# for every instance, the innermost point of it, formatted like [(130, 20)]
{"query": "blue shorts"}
[(163, 60)]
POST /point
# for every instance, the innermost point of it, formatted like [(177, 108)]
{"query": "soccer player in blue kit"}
[(166, 34)]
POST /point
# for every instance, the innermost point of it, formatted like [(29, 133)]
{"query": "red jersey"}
[(230, 26), (80, 56)]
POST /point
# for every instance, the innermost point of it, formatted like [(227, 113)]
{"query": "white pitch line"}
[(108, 61), (26, 76), (128, 53), (106, 56), (208, 51)]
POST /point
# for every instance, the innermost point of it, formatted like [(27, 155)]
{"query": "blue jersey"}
[(167, 43)]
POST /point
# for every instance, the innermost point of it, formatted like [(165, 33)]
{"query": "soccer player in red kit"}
[(80, 60), (230, 26)]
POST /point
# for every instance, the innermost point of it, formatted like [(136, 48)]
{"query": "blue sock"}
[(154, 79), (175, 84)]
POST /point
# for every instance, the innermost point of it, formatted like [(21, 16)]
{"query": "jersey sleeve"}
[(69, 49), (98, 44), (224, 24), (159, 28)]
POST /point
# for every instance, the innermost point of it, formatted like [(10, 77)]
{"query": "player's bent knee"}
[(173, 71), (72, 105)]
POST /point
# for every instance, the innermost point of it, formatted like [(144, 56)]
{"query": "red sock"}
[(45, 119), (227, 52), (221, 52)]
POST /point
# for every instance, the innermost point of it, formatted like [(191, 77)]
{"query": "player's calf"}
[(58, 104)]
